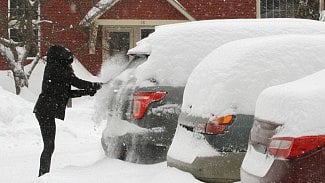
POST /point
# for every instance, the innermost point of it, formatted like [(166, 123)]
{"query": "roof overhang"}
[(92, 20), (103, 5)]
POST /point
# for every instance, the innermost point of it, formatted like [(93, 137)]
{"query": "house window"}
[(18, 9), (119, 43), (17, 35), (308, 9), (19, 14), (145, 32)]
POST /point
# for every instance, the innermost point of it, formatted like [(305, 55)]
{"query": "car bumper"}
[(143, 148), (310, 168), (223, 168)]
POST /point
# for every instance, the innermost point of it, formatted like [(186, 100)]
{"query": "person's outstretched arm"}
[(82, 84), (80, 93)]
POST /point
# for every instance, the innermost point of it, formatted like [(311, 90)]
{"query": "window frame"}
[(258, 7), (12, 23)]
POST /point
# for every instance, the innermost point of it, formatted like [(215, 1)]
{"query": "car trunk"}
[(234, 138), (161, 113), (259, 139), (261, 134)]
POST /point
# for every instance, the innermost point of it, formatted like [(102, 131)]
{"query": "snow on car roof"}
[(229, 80), (176, 49), (298, 105)]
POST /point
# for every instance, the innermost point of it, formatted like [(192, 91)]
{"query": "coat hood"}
[(59, 55)]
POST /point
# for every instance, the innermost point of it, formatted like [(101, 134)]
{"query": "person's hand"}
[(92, 92), (97, 85)]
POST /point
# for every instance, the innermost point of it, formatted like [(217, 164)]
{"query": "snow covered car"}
[(219, 100), (287, 141), (145, 117)]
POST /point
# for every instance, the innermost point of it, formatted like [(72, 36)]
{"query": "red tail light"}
[(218, 125), (141, 101), (290, 148)]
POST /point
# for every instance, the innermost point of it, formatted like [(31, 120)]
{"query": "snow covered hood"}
[(229, 80), (176, 49), (299, 105)]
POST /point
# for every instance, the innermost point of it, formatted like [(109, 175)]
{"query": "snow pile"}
[(176, 49), (118, 127), (229, 80), (143, 48), (110, 170), (297, 105), (12, 106), (14, 112), (187, 149)]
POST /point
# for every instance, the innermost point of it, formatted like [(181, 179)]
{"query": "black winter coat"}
[(56, 86)]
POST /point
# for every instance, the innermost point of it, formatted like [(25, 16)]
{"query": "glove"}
[(92, 92), (97, 86)]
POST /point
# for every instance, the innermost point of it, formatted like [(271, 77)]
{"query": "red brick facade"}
[(143, 9), (65, 28), (3, 29), (220, 9)]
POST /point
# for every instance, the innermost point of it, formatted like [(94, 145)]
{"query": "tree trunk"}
[(20, 79)]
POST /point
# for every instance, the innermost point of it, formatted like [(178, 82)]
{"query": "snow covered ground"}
[(78, 156)]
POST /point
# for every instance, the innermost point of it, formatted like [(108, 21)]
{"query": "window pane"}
[(276, 11), (145, 32), (34, 48), (308, 9), (18, 9), (290, 9), (270, 9), (17, 35), (263, 9), (13, 10), (118, 42), (283, 9)]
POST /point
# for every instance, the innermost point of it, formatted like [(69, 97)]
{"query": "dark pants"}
[(48, 129)]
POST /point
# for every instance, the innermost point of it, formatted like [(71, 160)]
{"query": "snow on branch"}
[(97, 11)]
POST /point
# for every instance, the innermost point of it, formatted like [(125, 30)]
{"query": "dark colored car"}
[(287, 141), (219, 100), (148, 105)]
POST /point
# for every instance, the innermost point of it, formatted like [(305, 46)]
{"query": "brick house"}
[(94, 30)]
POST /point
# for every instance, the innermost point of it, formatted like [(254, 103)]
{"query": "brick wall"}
[(65, 31), (220, 9), (143, 9), (3, 29)]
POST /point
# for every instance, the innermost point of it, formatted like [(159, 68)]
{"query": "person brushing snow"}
[(52, 101)]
